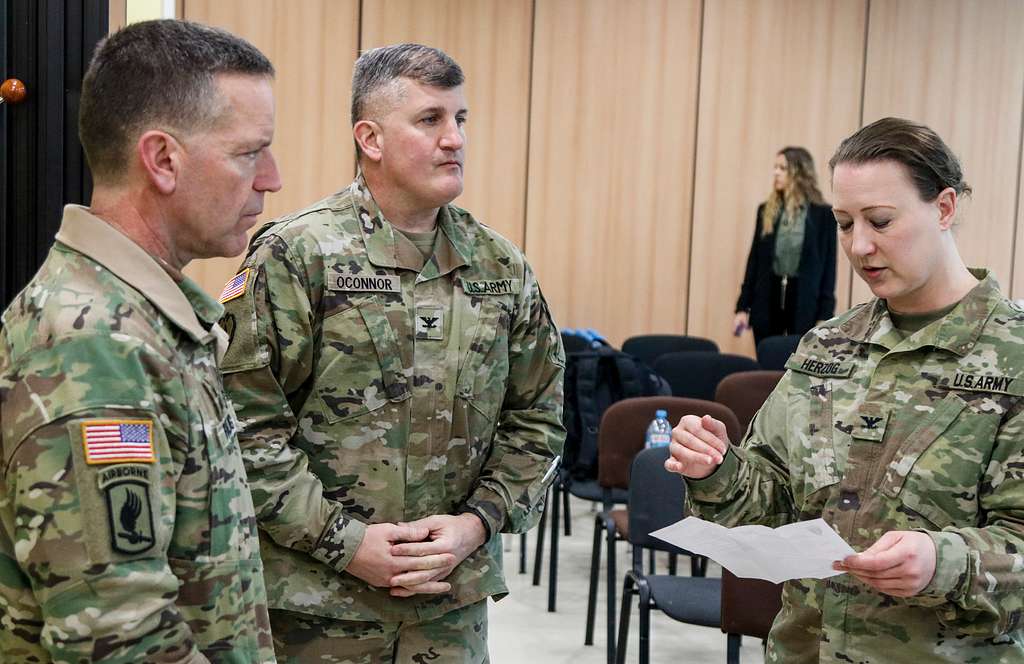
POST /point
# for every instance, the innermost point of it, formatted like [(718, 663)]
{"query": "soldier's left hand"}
[(459, 535), (901, 563)]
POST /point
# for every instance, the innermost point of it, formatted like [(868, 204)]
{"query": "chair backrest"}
[(745, 392), (749, 606), (696, 374), (656, 499), (625, 422), (649, 347), (774, 352)]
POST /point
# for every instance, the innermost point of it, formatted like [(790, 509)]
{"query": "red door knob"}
[(12, 91)]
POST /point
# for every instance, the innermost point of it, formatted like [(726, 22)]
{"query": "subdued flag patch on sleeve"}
[(236, 287), (118, 441)]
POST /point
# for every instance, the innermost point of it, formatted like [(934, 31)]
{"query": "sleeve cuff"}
[(715, 487), (490, 507), (339, 542), (951, 562)]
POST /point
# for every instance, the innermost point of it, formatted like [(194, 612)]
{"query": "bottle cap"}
[(661, 413)]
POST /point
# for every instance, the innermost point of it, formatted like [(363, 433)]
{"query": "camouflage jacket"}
[(875, 432), (127, 531), (371, 388)]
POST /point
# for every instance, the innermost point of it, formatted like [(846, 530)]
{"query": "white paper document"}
[(802, 550)]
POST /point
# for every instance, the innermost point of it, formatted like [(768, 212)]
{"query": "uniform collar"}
[(956, 332), (452, 248), (185, 303)]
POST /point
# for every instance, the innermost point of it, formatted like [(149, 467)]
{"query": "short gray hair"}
[(378, 67), (156, 74)]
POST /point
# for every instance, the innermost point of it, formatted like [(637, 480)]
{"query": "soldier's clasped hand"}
[(375, 562), (698, 446), (454, 535)]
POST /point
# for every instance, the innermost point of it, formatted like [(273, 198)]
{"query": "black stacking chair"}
[(749, 607), (620, 439), (656, 499), (649, 347), (572, 343), (696, 374), (774, 352)]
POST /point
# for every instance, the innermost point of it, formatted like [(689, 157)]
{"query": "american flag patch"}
[(235, 287), (118, 441)]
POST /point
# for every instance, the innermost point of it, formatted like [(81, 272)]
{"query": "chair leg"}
[(553, 562), (732, 654), (650, 562), (627, 606), (595, 563), (568, 516), (673, 563), (612, 573), (538, 554), (522, 553), (645, 622)]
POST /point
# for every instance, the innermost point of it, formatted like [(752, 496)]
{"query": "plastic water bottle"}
[(659, 432)]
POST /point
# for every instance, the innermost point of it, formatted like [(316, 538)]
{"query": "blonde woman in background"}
[(790, 280)]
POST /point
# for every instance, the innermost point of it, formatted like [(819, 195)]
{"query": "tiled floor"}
[(523, 632)]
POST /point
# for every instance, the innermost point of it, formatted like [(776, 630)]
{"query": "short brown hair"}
[(156, 74), (380, 66), (932, 166)]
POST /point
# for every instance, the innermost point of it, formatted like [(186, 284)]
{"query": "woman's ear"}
[(946, 203)]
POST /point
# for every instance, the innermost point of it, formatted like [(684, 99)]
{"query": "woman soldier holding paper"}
[(901, 423)]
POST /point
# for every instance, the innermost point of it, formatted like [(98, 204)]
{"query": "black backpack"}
[(595, 379)]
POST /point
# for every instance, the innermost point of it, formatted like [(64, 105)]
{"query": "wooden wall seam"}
[(529, 125), (693, 169), (850, 272), (1011, 287)]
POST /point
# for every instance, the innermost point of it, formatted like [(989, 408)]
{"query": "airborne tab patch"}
[(118, 441), (236, 287), (369, 283), (490, 286), (129, 511)]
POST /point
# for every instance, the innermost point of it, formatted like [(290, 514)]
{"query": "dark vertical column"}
[(4, 155), (47, 44)]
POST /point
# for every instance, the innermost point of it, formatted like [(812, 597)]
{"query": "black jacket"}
[(816, 292)]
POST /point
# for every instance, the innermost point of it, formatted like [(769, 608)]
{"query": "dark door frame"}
[(47, 44)]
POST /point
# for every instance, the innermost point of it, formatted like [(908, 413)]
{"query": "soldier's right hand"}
[(374, 563), (698, 446)]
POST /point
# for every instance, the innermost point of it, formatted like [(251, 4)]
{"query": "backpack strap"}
[(629, 375), (586, 393)]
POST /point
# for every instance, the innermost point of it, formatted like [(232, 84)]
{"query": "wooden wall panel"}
[(118, 15), (490, 39), (958, 67), (611, 161), (312, 44), (773, 74), (1017, 281)]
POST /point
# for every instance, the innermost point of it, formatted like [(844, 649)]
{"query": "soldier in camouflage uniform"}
[(398, 381), (127, 530), (901, 423)]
